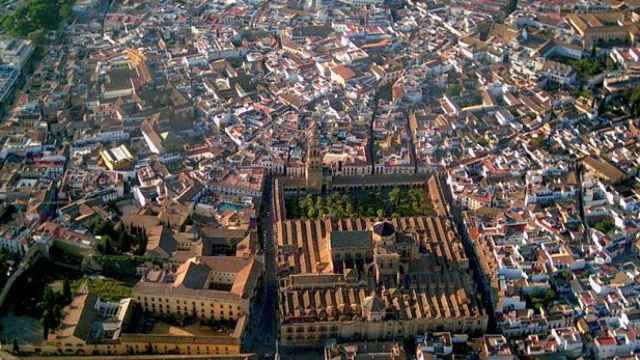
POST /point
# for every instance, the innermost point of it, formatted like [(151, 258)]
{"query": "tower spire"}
[(313, 169)]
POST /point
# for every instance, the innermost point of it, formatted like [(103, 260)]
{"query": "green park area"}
[(34, 17), (541, 300), (105, 288), (395, 202)]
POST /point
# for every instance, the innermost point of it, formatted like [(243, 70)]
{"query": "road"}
[(580, 200), (263, 326), (264, 321)]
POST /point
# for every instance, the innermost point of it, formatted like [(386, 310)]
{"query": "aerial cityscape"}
[(320, 179)]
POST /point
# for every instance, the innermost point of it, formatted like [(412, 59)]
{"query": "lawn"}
[(105, 288)]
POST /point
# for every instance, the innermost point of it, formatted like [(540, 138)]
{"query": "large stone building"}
[(207, 287), (372, 279), (601, 27), (92, 327)]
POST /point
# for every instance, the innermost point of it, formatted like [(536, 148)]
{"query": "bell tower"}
[(313, 164)]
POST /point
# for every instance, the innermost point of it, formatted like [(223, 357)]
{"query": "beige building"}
[(207, 287), (92, 327), (602, 27), (117, 158), (603, 169)]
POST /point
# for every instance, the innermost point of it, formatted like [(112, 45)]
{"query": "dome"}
[(384, 228)]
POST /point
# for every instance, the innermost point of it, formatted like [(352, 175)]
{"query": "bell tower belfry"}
[(313, 164)]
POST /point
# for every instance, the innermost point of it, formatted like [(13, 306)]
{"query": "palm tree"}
[(66, 290), (394, 196)]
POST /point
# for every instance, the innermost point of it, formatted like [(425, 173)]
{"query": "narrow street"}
[(580, 201), (263, 326), (478, 275), (264, 322)]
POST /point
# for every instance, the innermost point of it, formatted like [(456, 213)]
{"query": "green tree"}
[(66, 9), (349, 209), (308, 202), (16, 347), (37, 37), (105, 245), (141, 242), (51, 310), (66, 290), (36, 15), (123, 242), (172, 144), (634, 101), (320, 204), (395, 195), (5, 257), (454, 90), (44, 320), (605, 226)]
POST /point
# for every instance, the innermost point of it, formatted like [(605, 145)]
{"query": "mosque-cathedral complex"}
[(368, 278)]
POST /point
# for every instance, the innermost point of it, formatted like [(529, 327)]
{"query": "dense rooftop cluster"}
[(366, 169)]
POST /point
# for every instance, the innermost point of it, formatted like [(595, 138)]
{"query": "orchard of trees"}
[(51, 305), (113, 242), (398, 202)]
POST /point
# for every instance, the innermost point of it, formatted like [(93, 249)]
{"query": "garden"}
[(389, 203)]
